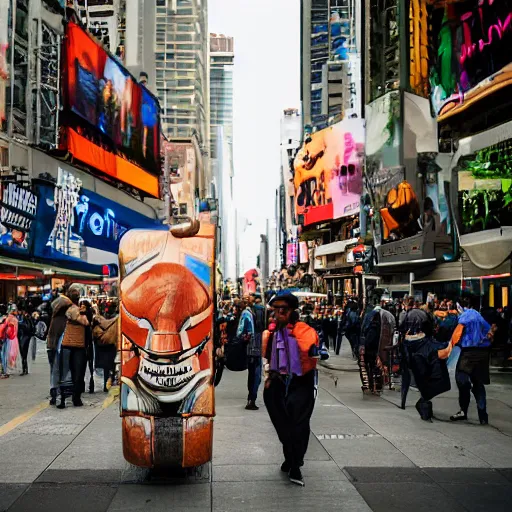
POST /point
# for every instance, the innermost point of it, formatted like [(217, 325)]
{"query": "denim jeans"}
[(254, 377), (466, 384)]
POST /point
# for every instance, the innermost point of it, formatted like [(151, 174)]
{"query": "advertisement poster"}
[(328, 172), (167, 392), (18, 208), (71, 221), (103, 94), (291, 253)]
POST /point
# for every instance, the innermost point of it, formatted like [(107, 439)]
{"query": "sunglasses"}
[(282, 309)]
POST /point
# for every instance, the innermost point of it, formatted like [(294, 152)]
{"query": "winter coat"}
[(58, 322), (430, 372)]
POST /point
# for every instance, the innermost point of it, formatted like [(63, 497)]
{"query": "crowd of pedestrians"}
[(80, 333)]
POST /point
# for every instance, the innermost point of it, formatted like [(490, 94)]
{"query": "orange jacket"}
[(306, 336)]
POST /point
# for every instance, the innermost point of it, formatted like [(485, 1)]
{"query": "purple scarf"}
[(285, 354)]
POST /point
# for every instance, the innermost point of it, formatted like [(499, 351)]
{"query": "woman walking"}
[(25, 332), (10, 346)]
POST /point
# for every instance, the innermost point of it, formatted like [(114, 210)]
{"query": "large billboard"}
[(111, 109), (78, 226), (472, 41), (328, 173)]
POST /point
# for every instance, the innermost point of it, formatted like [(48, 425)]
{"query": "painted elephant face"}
[(167, 313)]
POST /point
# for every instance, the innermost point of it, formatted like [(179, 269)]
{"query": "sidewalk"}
[(343, 362), (364, 454)]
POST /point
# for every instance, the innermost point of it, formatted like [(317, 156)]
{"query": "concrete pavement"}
[(365, 454)]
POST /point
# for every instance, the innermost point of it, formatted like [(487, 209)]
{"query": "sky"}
[(266, 81)]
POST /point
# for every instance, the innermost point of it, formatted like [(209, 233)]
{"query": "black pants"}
[(24, 346), (369, 371), (254, 377), (290, 412), (51, 359), (78, 365)]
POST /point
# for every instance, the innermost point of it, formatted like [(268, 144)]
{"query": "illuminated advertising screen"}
[(328, 172), (472, 41), (104, 95), (77, 225)]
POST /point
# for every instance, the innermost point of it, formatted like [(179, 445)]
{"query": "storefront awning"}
[(334, 247), (444, 272), (42, 267)]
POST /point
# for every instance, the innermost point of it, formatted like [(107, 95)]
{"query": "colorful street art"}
[(471, 52), (167, 308), (328, 172)]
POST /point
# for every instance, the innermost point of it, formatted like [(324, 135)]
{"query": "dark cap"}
[(287, 297)]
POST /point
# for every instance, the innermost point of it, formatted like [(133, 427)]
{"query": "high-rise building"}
[(330, 61), (104, 19), (181, 56), (291, 135), (167, 40), (221, 88), (221, 146)]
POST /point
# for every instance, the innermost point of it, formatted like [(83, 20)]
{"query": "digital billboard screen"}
[(328, 172), (102, 93)]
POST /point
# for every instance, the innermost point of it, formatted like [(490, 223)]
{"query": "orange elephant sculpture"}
[(167, 314)]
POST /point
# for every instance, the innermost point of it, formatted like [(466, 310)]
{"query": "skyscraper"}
[(330, 61), (221, 88), (221, 147), (168, 41), (181, 56)]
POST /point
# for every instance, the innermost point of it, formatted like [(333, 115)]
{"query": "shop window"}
[(504, 296), (491, 295)]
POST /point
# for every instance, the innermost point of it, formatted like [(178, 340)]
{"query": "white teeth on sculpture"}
[(166, 374)]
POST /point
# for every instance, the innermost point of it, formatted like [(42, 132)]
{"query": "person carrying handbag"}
[(73, 358)]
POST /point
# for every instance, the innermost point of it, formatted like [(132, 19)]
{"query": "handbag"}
[(106, 333), (74, 335)]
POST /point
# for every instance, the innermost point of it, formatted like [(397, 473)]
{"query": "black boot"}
[(251, 405), (91, 385), (483, 417), (77, 401), (424, 408), (53, 396), (62, 404)]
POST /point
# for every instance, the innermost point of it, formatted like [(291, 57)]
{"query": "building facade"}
[(221, 88), (80, 151), (181, 57), (291, 135), (331, 42), (168, 42), (221, 148)]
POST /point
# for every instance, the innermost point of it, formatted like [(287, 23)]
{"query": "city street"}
[(364, 454)]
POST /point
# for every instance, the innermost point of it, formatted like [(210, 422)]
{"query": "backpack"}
[(41, 330)]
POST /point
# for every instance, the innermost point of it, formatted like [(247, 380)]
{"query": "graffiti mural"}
[(167, 307), (328, 172)]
